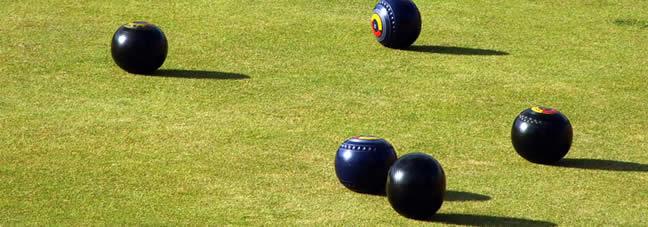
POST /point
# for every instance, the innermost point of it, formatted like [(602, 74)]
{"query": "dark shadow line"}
[(379, 194), (458, 196), (455, 50), (199, 74), (600, 164), (450, 196), (485, 220), (632, 23)]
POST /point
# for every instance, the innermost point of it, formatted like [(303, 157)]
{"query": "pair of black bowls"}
[(415, 183)]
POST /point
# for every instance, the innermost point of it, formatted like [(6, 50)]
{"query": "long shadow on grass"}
[(199, 74), (457, 196), (632, 22), (450, 196), (485, 220), (455, 50), (599, 164)]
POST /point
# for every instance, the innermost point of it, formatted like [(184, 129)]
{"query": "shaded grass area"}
[(598, 164), (458, 196), (199, 74), (241, 124), (632, 22), (485, 220), (456, 50)]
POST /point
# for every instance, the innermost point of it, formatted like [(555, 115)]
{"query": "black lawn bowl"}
[(362, 162), (396, 23), (139, 47), (416, 186), (541, 135)]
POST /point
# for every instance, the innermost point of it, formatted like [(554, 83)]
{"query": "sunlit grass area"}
[(241, 124)]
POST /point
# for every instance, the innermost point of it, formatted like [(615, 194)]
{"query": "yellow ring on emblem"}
[(537, 109), (376, 17)]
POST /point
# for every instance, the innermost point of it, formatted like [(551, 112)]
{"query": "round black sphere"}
[(416, 186), (362, 162), (396, 23), (139, 47), (541, 135)]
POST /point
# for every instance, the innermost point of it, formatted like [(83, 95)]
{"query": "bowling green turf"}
[(241, 124)]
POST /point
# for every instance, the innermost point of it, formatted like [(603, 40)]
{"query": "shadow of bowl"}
[(455, 50), (199, 74), (485, 220), (457, 196), (600, 164)]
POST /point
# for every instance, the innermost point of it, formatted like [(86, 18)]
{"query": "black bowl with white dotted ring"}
[(362, 163), (542, 135), (396, 23)]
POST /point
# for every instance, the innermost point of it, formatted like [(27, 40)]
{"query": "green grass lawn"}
[(243, 122)]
